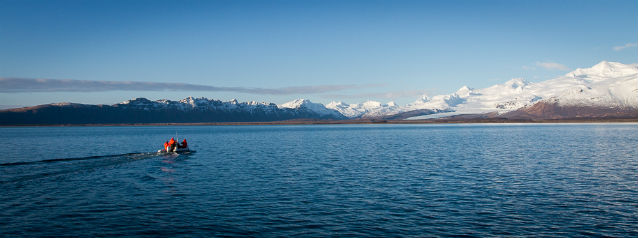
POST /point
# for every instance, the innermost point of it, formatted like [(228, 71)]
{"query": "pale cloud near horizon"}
[(383, 95), (2, 107), (17, 85), (625, 46), (552, 66)]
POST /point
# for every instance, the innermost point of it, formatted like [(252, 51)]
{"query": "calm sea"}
[(320, 181)]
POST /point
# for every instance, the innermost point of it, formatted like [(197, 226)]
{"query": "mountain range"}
[(606, 90), (607, 84)]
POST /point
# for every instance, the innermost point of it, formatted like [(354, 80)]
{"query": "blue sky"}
[(277, 51)]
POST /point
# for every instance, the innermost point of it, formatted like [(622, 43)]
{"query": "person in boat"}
[(184, 144), (166, 146), (171, 144)]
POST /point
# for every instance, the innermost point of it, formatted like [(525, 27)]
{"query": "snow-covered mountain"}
[(368, 109), (142, 110), (607, 84), (606, 90), (198, 104), (308, 106)]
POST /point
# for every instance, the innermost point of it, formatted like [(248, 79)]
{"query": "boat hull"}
[(175, 150)]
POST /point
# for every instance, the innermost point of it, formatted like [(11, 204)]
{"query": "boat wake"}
[(132, 155), (30, 170)]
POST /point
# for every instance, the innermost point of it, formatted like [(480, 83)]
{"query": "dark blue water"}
[(316, 181)]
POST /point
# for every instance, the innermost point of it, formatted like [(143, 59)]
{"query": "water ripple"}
[(322, 181)]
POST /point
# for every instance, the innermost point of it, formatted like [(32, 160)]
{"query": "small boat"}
[(175, 150), (175, 147)]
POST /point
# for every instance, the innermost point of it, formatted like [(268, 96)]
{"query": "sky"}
[(105, 52)]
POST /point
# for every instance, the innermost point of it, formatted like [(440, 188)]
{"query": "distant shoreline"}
[(344, 122)]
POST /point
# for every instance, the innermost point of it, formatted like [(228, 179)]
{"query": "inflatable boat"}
[(174, 149)]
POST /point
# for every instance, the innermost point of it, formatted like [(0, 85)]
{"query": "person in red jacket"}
[(171, 144), (166, 146), (184, 144)]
